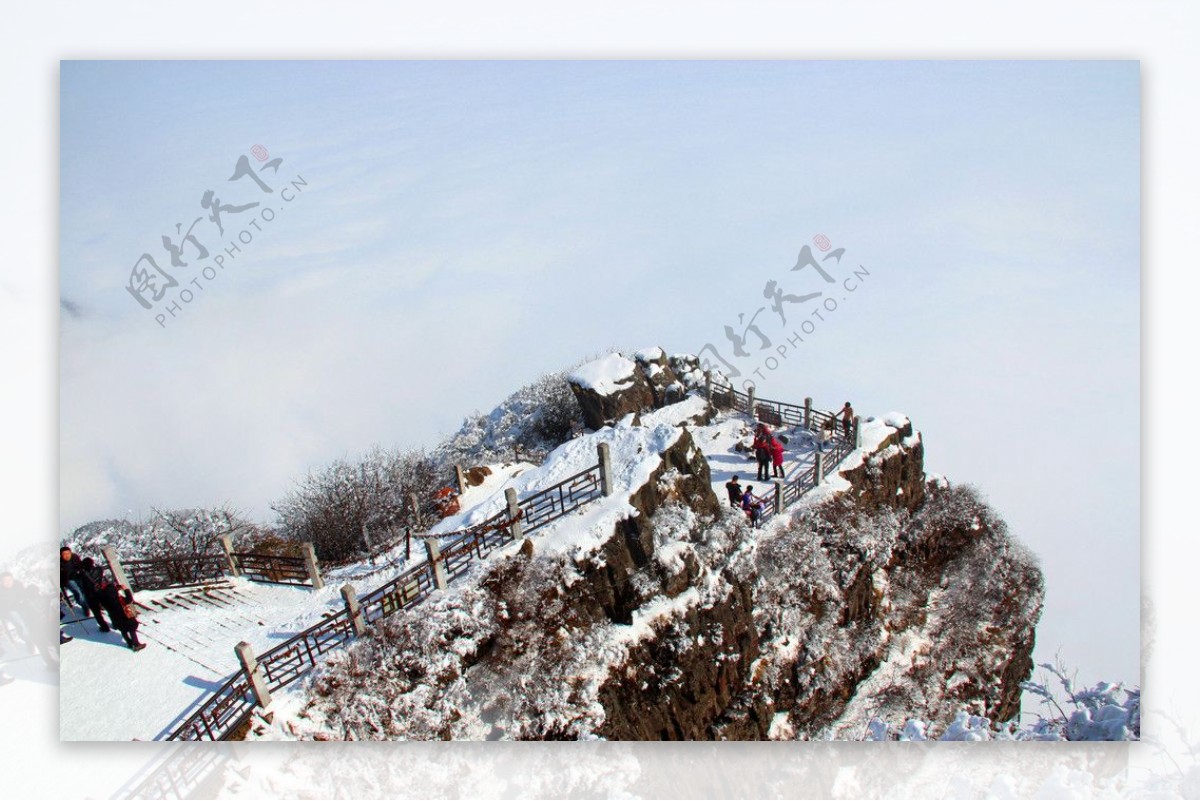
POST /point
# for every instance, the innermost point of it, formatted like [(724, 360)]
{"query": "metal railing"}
[(222, 714), (271, 569), (183, 571), (291, 659), (406, 590), (566, 496), (780, 414)]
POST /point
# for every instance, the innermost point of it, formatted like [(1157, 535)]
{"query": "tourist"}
[(118, 602), (735, 492)]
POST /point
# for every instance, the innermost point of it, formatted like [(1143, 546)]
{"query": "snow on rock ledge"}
[(610, 388), (613, 386)]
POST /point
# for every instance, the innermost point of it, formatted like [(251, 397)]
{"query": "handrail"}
[(782, 414), (271, 568), (224, 712), (160, 573)]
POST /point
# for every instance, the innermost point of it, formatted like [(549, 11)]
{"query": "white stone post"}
[(516, 528), (460, 478), (258, 684), (857, 431), (808, 413), (227, 546), (434, 551), (606, 474), (114, 564), (353, 610), (778, 496), (753, 411), (310, 564), (708, 387), (819, 472)]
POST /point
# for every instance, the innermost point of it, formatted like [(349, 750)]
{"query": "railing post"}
[(353, 610), (819, 469), (114, 564), (708, 387), (808, 414), (434, 551), (227, 546), (310, 563), (516, 528), (367, 539), (416, 508), (606, 476), (258, 685), (778, 496), (750, 395), (857, 431), (460, 478)]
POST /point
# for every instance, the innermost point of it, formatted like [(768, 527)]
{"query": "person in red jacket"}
[(777, 458)]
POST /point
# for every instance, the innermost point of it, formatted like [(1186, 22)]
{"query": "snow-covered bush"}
[(528, 424), (333, 507), (1094, 713), (167, 534), (1106, 712)]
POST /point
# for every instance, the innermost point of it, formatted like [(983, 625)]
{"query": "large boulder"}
[(613, 386), (664, 384), (609, 388)]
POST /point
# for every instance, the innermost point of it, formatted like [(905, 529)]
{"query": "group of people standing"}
[(768, 452), (96, 594)]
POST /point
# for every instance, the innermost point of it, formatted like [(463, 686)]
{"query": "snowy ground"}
[(108, 692), (718, 441), (111, 693)]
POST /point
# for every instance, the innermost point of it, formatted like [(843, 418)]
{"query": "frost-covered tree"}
[(528, 424), (340, 507), (1105, 712), (168, 534)]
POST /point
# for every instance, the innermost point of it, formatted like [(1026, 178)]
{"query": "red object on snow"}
[(447, 501)]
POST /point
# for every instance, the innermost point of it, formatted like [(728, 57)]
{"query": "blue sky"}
[(467, 226)]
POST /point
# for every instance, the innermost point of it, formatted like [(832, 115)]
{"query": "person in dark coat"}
[(68, 577), (762, 452), (89, 578), (114, 599), (847, 419), (735, 492)]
